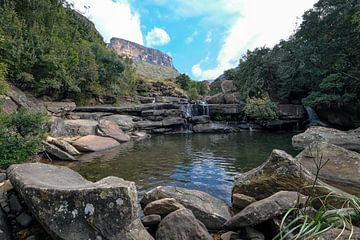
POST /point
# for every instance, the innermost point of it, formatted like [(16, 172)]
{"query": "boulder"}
[(71, 208), (230, 236), (125, 122), (240, 201), (148, 124), (4, 229), (63, 145), (151, 220), (212, 128), (89, 116), (291, 111), (8, 105), (26, 100), (80, 127), (227, 109), (175, 121), (200, 119), (209, 210), (339, 165), (60, 107), (232, 98), (162, 207), (57, 152), (180, 225), (228, 86), (57, 127), (216, 99), (108, 128), (348, 140), (93, 143), (281, 172), (266, 209)]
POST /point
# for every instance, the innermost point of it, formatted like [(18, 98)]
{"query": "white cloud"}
[(112, 19), (262, 23), (196, 70), (157, 37), (208, 38), (190, 38)]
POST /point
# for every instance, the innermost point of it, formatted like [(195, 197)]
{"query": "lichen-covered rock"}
[(108, 128), (71, 208), (181, 225), (162, 207), (93, 143), (209, 210)]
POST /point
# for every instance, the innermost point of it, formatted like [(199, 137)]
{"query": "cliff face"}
[(141, 53)]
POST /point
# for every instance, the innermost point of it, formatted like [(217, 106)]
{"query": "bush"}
[(21, 134), (262, 109)]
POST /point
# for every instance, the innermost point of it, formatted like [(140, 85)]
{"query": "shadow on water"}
[(206, 162)]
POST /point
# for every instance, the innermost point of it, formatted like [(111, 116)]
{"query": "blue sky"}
[(204, 37)]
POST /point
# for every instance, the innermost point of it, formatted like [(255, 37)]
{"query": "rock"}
[(232, 98), (140, 134), (146, 99), (291, 111), (209, 210), (266, 209), (70, 207), (151, 220), (57, 152), (93, 143), (125, 122), (343, 116), (240, 201), (175, 121), (4, 229), (281, 172), (251, 234), (340, 165), (228, 86), (14, 203), (8, 105), (26, 101), (6, 186), (200, 119), (212, 128), (227, 109), (165, 99), (67, 147), (230, 236), (162, 207), (80, 127), (216, 99), (279, 124), (60, 107), (148, 124), (180, 225), (348, 140), (89, 116), (338, 234), (24, 219), (57, 127), (2, 177), (108, 128)]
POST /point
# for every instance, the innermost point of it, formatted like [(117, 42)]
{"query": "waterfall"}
[(205, 108), (314, 119), (187, 110)]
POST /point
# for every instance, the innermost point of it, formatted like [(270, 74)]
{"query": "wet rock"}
[(58, 196), (108, 128), (63, 145), (212, 128), (4, 229), (348, 140), (209, 210), (162, 207), (148, 124), (228, 86), (281, 172), (140, 135), (60, 107), (266, 209), (24, 219), (180, 225), (57, 152), (151, 220), (80, 127), (240, 201), (340, 165), (93, 143), (125, 122), (200, 119)]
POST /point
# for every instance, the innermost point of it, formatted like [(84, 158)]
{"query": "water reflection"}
[(205, 162)]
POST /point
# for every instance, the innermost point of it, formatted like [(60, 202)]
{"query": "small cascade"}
[(187, 112), (205, 108), (314, 119)]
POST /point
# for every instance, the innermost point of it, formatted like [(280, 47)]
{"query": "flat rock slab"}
[(92, 143), (349, 140), (108, 128), (209, 210), (181, 225), (71, 208), (60, 107)]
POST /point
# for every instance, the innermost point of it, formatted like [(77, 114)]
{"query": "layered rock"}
[(70, 207), (93, 143)]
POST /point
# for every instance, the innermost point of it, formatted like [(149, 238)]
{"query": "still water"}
[(206, 162)]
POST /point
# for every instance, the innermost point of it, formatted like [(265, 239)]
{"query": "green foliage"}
[(193, 89), (262, 109), (215, 87), (3, 85), (184, 81), (21, 134), (53, 51), (202, 88)]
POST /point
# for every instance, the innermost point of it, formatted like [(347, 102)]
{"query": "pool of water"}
[(206, 162)]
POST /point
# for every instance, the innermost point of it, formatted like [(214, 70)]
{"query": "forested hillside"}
[(319, 64), (51, 50)]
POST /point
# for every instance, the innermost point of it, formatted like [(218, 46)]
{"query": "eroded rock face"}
[(348, 140), (180, 225), (108, 128), (209, 210), (71, 208), (93, 143)]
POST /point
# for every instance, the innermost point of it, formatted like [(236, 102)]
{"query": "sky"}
[(204, 37)]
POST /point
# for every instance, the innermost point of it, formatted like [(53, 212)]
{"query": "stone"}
[(281, 172), (57, 127), (162, 207), (148, 124), (251, 234), (2, 177), (232, 98), (291, 111), (165, 99), (216, 99), (212, 128), (228, 86), (57, 152), (60, 107), (14, 204), (80, 127), (93, 143), (8, 105), (266, 209), (280, 124), (6, 186), (63, 145), (227, 109), (26, 101), (240, 201), (230, 236), (338, 234), (339, 164), (89, 116), (209, 210), (175, 121), (151, 220), (200, 119), (348, 140), (146, 99), (4, 229), (108, 128), (24, 219), (70, 207), (140, 135), (180, 225), (125, 122)]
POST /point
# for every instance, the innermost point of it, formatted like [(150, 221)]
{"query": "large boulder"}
[(216, 99), (93, 143), (162, 207), (281, 172), (212, 128), (180, 225), (209, 210), (71, 208), (348, 140), (266, 209), (81, 127), (338, 164), (108, 128)]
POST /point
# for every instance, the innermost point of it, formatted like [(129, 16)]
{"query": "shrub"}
[(262, 109)]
